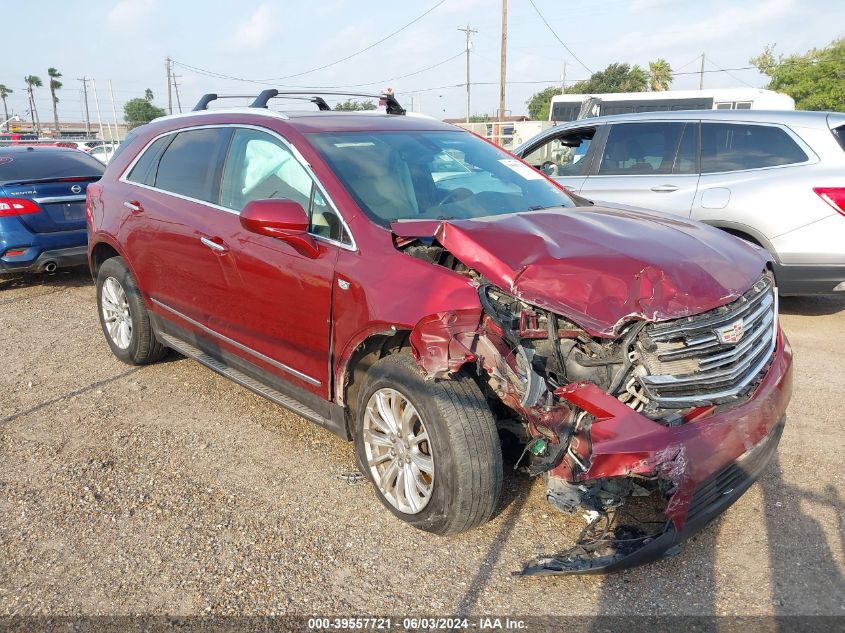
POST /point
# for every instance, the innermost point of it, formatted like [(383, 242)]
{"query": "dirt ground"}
[(168, 489)]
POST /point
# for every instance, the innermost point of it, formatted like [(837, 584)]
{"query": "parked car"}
[(774, 178), (102, 153), (85, 146), (42, 207), (322, 260)]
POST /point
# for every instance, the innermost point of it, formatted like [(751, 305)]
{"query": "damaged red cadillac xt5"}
[(422, 292)]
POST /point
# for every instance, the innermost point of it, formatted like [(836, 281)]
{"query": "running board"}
[(186, 349)]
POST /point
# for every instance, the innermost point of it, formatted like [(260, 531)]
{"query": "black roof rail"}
[(390, 102), (202, 104)]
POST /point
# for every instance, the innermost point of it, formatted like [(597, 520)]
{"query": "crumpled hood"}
[(602, 266)]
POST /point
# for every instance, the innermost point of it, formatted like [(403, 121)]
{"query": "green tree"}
[(5, 92), (659, 75), (615, 78), (540, 103), (55, 84), (816, 79), (138, 111), (350, 105), (32, 82), (148, 95)]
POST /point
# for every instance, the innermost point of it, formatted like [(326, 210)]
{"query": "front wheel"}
[(123, 316), (430, 448)]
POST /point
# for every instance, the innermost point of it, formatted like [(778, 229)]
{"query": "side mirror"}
[(283, 219)]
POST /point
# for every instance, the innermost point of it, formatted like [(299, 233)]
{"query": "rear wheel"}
[(430, 448), (123, 316)]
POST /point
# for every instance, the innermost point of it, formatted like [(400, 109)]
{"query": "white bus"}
[(569, 107)]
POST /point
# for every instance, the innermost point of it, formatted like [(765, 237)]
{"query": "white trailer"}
[(569, 107)]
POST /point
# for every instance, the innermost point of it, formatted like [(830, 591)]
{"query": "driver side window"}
[(259, 167), (562, 155)]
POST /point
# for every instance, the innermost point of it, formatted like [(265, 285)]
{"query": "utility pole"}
[(503, 65), (176, 89), (84, 81), (563, 79), (469, 33), (701, 74), (167, 64)]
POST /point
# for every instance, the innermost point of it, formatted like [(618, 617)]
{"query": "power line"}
[(712, 63), (557, 37), (324, 66), (369, 83)]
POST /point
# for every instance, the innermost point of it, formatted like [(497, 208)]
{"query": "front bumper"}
[(60, 257), (710, 461)]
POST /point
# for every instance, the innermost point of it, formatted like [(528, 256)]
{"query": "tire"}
[(462, 442), (137, 344)]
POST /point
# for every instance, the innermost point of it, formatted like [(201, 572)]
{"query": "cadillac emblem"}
[(730, 334)]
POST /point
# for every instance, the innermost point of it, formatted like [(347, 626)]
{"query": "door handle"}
[(665, 188), (134, 206), (215, 246)]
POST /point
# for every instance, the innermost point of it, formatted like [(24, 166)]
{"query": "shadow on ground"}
[(812, 305), (77, 277)]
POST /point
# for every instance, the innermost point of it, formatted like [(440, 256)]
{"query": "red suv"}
[(422, 292)]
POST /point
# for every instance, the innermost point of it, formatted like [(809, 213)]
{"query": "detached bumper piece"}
[(625, 546)]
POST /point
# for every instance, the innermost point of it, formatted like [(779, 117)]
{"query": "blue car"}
[(42, 207)]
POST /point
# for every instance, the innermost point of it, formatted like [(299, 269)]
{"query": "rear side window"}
[(190, 166), (735, 147), (144, 171), (36, 164), (641, 148)]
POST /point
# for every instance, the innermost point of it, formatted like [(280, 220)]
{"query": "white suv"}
[(774, 178)]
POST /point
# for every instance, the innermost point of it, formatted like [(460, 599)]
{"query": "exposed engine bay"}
[(558, 380)]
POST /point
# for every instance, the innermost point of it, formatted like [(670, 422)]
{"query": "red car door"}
[(171, 227), (282, 320)]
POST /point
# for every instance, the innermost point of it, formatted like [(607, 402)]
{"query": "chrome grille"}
[(714, 357)]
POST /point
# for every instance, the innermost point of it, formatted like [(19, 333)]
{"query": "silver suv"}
[(774, 178)]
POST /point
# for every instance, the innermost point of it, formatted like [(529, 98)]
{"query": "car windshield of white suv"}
[(434, 175)]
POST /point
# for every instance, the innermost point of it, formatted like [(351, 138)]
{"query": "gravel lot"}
[(168, 489)]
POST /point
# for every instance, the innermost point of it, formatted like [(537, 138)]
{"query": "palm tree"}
[(55, 84), (148, 95), (5, 92), (660, 74), (31, 82)]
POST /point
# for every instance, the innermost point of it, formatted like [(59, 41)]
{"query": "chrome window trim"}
[(124, 177), (240, 346), (48, 200)]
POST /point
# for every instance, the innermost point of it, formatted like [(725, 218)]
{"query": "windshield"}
[(434, 175)]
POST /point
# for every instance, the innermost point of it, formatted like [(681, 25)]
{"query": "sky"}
[(126, 42)]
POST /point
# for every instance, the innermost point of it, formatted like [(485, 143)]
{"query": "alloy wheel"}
[(116, 315), (398, 451)]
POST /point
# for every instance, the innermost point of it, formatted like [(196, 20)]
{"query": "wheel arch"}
[(745, 232), (363, 355), (101, 251)]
